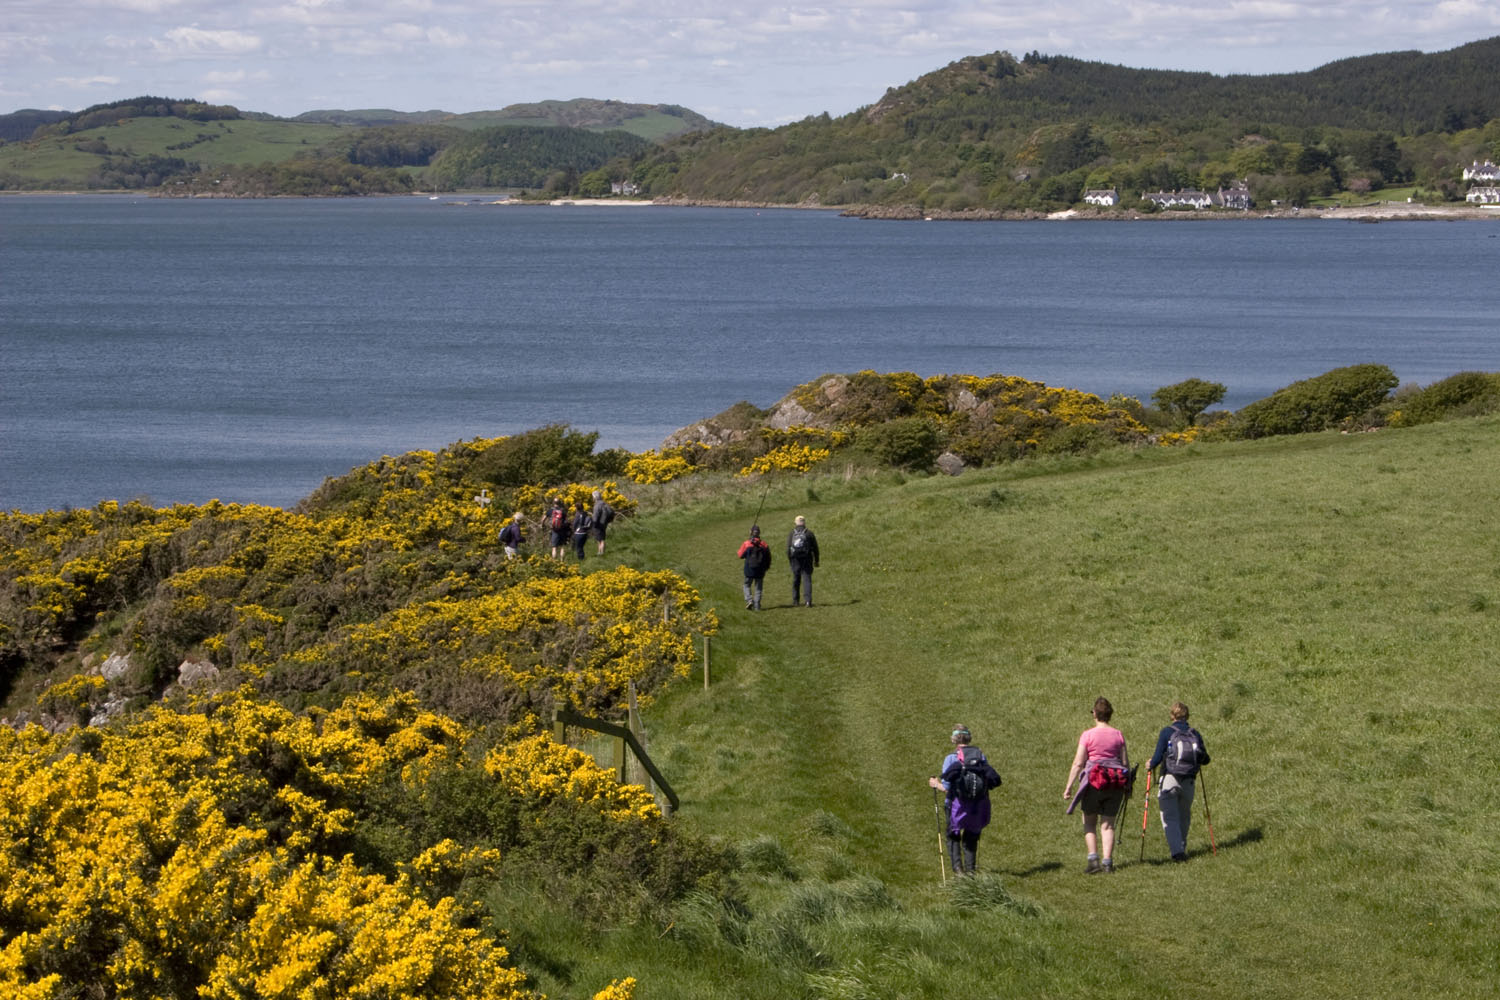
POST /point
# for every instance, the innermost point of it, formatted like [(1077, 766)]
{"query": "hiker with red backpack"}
[(559, 527), (967, 777), (1180, 751), (757, 557), (1102, 771)]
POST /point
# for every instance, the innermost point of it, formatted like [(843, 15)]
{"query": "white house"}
[(1235, 197), (1484, 195), (1485, 173), (626, 188), (1104, 196), (1174, 199)]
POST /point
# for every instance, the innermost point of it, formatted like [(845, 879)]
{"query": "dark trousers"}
[(801, 581), (962, 846)]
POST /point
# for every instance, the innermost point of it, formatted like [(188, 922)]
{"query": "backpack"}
[(798, 545), (1108, 776), (1184, 752), (758, 558), (974, 776), (558, 521), (606, 515)]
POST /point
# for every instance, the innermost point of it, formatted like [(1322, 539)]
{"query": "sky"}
[(744, 64)]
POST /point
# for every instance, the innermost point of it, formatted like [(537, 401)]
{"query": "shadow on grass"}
[(820, 604), (1244, 838), (1041, 869)]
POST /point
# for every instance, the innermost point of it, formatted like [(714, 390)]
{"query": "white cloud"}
[(85, 82), (196, 41), (751, 63)]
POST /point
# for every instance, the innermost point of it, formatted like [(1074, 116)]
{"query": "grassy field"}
[(214, 143), (1329, 607)]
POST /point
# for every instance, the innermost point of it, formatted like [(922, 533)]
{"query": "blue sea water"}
[(246, 350)]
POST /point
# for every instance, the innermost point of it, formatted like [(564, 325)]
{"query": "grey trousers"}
[(1176, 801)]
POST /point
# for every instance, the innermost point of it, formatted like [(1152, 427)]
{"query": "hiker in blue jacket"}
[(1181, 752), (968, 798)]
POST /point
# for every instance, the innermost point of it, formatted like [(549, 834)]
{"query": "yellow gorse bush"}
[(541, 769), (665, 465), (583, 637), (786, 458), (120, 864)]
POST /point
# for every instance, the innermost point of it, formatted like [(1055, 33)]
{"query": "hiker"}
[(1101, 768), (967, 777), (802, 554), (603, 515), (1180, 751), (757, 557), (511, 536), (583, 526), (558, 529)]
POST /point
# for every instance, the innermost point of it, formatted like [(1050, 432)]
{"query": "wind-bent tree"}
[(1186, 399)]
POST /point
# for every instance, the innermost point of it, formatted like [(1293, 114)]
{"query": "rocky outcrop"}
[(950, 464)]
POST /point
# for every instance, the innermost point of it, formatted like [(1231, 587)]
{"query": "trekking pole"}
[(1147, 812), (942, 860), (1208, 815), (762, 501)]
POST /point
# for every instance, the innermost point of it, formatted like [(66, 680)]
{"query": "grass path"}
[(1328, 606)]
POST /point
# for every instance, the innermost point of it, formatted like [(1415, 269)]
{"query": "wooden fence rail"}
[(564, 717)]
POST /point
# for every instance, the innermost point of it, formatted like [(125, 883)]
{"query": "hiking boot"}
[(1093, 867), (1109, 866), (1179, 857)]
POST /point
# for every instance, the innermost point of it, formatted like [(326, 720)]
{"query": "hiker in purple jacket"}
[(968, 814)]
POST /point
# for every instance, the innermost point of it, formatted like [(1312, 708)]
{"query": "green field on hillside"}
[(1329, 607), (233, 143)]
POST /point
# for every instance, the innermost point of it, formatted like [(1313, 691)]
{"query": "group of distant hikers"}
[(801, 555), (563, 528), (1099, 783)]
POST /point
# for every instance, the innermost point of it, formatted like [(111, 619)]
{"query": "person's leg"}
[(760, 589), (1091, 841), (796, 584), (749, 602), (971, 849), (1107, 835), (808, 572), (1174, 801), (955, 853)]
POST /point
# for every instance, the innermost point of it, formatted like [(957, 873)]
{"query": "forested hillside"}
[(999, 132)]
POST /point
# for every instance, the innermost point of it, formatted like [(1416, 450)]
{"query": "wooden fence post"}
[(705, 663)]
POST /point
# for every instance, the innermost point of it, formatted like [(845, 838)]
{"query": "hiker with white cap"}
[(802, 553)]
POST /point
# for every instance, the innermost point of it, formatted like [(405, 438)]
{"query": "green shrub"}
[(906, 443), (1188, 398), (1317, 404), (1467, 394), (552, 454)]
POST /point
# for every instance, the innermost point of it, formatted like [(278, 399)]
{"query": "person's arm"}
[(1078, 760), (814, 539), (1160, 754)]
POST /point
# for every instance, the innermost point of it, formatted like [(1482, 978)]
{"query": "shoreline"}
[(1386, 211)]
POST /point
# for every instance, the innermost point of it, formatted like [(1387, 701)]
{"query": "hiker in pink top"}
[(1101, 769)]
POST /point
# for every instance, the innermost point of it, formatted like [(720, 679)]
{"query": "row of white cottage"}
[(1235, 197), (1485, 189)]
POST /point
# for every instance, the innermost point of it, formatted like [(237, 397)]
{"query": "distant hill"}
[(653, 122), (21, 124), (1000, 133), (372, 117), (189, 147)]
